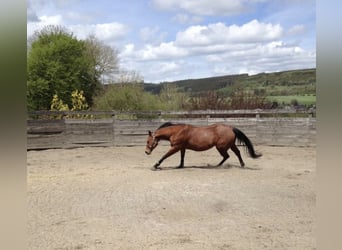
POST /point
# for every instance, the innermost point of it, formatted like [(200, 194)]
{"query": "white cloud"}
[(186, 19), (220, 49), (163, 51), (219, 33), (167, 67), (207, 7), (148, 33), (107, 32), (272, 56), (298, 29), (152, 35), (43, 21)]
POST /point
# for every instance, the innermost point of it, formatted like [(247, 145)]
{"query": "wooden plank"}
[(68, 132)]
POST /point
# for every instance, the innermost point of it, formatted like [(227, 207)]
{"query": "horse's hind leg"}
[(224, 153), (237, 152), (181, 165)]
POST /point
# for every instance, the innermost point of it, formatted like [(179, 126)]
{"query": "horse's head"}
[(152, 143)]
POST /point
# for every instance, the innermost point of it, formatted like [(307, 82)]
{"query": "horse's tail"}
[(242, 138)]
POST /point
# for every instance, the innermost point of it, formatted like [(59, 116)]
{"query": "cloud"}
[(206, 7), (31, 13), (209, 39), (152, 35), (147, 34), (168, 67), (186, 19), (269, 57), (107, 32), (42, 22), (219, 49), (219, 33), (162, 51), (298, 29)]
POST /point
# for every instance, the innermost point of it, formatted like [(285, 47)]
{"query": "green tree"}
[(171, 99), (122, 97), (126, 97), (57, 63)]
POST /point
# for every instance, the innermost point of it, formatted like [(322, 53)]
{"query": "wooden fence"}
[(46, 129)]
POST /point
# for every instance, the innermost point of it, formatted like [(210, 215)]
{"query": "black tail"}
[(242, 138)]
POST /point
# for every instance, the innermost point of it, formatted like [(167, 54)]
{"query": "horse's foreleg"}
[(172, 151)]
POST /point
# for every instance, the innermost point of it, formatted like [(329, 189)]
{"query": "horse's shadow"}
[(210, 167)]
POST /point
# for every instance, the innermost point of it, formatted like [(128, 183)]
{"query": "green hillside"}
[(284, 87)]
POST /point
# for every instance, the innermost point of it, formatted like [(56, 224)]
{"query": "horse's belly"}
[(200, 145), (199, 148)]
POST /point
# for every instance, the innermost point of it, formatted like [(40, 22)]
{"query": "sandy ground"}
[(108, 198)]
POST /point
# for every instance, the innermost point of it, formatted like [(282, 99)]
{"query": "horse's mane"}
[(168, 124)]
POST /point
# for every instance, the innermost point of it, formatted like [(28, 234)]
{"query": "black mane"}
[(168, 124)]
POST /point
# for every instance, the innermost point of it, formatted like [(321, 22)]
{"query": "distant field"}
[(301, 99)]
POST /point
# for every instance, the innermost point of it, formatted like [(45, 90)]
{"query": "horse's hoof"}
[(155, 168)]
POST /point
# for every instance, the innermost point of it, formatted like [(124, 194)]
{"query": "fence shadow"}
[(210, 167)]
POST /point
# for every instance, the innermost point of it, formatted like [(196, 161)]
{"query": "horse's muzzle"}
[(147, 152)]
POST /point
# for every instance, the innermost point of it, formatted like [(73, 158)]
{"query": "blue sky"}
[(165, 40)]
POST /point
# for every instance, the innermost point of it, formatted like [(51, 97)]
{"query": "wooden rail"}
[(66, 129)]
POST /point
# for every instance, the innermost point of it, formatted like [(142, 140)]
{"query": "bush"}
[(126, 97)]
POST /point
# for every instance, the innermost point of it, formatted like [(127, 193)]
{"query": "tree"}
[(208, 100), (242, 99), (57, 64), (122, 97), (127, 97), (171, 98), (104, 59)]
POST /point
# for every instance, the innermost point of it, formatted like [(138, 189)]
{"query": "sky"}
[(168, 40)]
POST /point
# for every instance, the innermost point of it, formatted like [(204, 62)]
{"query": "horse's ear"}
[(149, 133)]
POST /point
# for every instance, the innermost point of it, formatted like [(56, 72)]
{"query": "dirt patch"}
[(108, 198)]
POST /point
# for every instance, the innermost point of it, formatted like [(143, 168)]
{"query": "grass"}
[(301, 99)]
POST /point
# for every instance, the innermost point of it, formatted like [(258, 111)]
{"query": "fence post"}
[(66, 140), (208, 117), (257, 130), (113, 128)]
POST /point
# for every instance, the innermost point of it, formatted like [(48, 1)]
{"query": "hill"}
[(278, 86)]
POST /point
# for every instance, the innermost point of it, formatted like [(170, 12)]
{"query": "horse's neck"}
[(161, 134), (166, 133)]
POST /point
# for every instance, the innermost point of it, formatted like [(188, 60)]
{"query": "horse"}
[(185, 136)]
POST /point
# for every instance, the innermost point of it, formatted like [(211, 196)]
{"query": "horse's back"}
[(224, 130), (202, 138)]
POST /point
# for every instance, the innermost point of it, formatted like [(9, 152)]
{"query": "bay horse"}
[(185, 136)]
